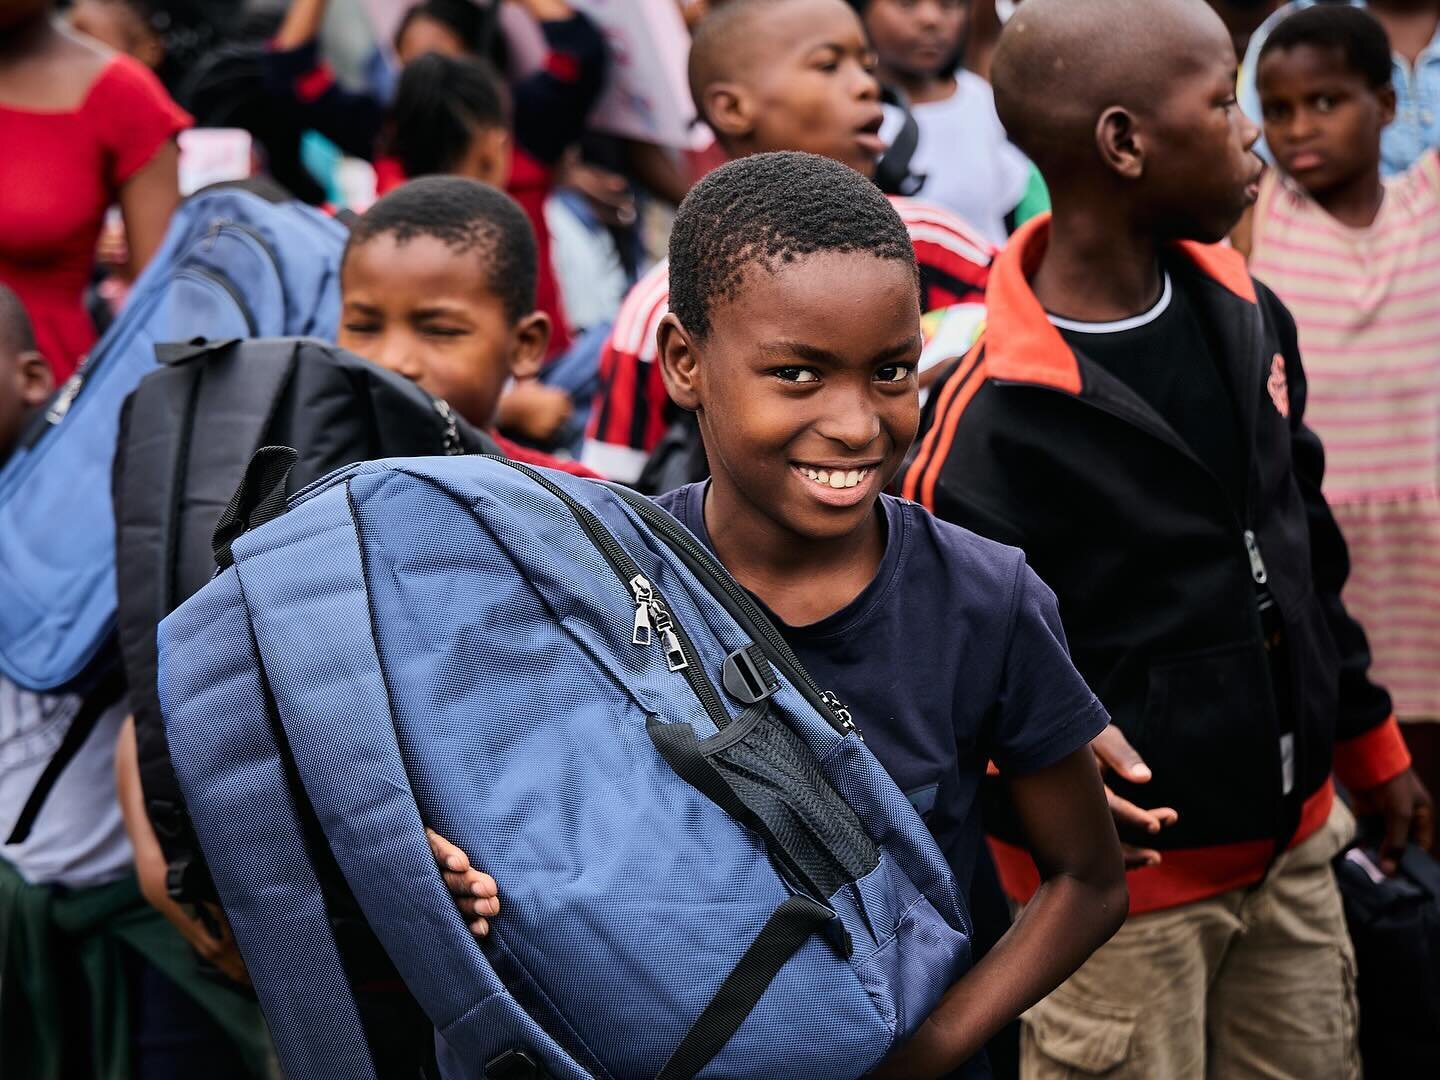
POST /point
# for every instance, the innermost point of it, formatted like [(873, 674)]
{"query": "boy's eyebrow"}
[(816, 355), (438, 309)]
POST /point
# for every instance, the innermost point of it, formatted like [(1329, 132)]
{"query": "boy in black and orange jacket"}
[(1132, 418)]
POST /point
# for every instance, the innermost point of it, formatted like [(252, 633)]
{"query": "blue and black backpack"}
[(233, 264), (703, 870)]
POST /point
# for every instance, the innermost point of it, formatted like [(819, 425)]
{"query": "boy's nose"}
[(854, 425), (1249, 131), (867, 86), (402, 361)]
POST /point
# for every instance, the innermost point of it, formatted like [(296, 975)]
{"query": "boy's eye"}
[(894, 373), (796, 375), (1324, 103), (361, 328), (442, 331)]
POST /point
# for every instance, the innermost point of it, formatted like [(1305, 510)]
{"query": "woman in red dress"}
[(81, 129)]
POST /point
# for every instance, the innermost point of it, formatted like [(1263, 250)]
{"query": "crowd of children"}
[(1134, 587)]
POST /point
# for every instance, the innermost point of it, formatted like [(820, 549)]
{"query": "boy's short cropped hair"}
[(1353, 31), (772, 209), (16, 333), (467, 216)]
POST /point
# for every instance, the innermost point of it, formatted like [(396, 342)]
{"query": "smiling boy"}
[(794, 337)]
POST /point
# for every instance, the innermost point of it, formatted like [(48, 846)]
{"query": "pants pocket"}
[(1063, 1033)]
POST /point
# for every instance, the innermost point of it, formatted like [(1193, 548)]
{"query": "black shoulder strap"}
[(892, 174), (186, 434), (787, 929), (259, 498), (103, 695)]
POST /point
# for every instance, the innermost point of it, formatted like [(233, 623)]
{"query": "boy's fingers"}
[(1424, 825), (480, 927), (1397, 835), (1127, 813), (1138, 858), (1113, 750), (447, 854), (472, 883)]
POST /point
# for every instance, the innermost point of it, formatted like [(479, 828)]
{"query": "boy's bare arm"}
[(1081, 902)]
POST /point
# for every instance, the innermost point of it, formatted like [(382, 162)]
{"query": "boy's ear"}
[(1120, 143), (1386, 94), (151, 52), (679, 363), (37, 381), (728, 109), (487, 158), (532, 342)]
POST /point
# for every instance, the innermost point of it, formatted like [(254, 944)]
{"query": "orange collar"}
[(1022, 345)]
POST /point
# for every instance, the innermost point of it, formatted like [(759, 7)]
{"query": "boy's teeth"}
[(835, 478)]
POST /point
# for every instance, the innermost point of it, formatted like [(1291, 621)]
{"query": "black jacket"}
[(1032, 445)]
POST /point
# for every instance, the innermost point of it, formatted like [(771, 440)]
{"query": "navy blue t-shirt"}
[(951, 658)]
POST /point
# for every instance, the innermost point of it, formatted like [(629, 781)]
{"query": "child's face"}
[(917, 38), (1199, 171), (809, 85), (805, 388), (427, 35), (1322, 120), (118, 25), (426, 311)]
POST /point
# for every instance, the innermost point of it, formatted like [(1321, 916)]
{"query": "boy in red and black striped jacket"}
[(770, 75), (1132, 417)]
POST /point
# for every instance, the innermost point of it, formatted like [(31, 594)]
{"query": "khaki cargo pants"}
[(1252, 983)]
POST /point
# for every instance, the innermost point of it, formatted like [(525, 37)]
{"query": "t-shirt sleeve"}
[(135, 115), (631, 409), (1044, 709)]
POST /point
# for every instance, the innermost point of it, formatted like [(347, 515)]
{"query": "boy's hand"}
[(1113, 751), (476, 894), (1409, 815), (534, 411)]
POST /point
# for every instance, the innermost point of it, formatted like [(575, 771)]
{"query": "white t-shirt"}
[(78, 839), (969, 165)]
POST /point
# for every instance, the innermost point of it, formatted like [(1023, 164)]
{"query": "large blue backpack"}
[(233, 265), (703, 870)]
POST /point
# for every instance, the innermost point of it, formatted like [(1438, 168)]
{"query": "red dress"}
[(59, 173)]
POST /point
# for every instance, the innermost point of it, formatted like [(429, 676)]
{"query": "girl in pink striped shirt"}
[(1357, 261)]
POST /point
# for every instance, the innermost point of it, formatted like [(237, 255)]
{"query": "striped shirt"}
[(1367, 306), (632, 409)]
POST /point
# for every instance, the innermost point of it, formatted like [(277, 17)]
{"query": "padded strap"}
[(787, 929), (259, 498), (91, 709), (892, 173)]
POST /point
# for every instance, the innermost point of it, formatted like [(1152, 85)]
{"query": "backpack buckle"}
[(747, 676), (515, 1065)]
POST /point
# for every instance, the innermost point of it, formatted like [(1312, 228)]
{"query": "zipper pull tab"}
[(1257, 564), (644, 597), (65, 398), (674, 654)]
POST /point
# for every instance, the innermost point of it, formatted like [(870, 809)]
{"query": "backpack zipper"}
[(652, 613), (742, 607)]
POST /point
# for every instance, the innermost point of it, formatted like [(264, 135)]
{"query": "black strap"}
[(100, 698), (259, 498), (787, 929), (892, 173)]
